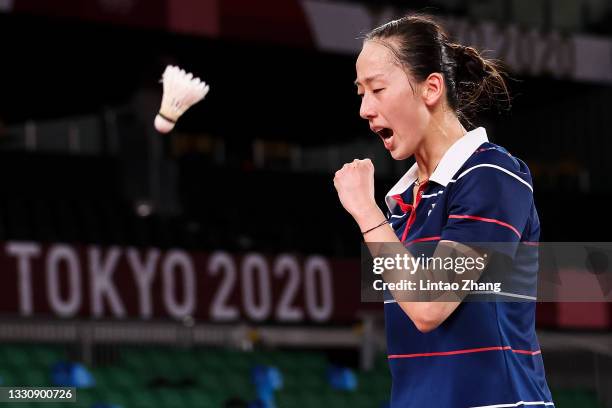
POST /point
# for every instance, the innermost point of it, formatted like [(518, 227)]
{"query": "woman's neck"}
[(439, 136)]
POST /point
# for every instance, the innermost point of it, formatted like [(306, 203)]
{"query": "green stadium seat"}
[(313, 380), (170, 398), (85, 398), (34, 378), (209, 380), (218, 375), (7, 376), (197, 398), (287, 399), (238, 384), (575, 398), (143, 398), (46, 356), (16, 356)]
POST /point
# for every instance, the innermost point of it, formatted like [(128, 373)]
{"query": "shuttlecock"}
[(181, 91)]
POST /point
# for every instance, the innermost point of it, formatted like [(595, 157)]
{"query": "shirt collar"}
[(451, 162)]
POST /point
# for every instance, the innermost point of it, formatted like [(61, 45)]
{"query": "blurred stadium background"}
[(215, 266)]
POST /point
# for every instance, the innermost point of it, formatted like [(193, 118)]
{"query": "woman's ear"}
[(433, 89)]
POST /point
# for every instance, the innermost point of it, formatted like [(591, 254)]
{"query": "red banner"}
[(67, 281), (140, 13), (279, 21), (89, 281)]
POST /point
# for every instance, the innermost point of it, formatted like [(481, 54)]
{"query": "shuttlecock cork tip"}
[(163, 125)]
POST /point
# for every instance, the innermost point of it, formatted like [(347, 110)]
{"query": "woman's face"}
[(394, 110)]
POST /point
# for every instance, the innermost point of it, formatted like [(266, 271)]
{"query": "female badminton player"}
[(416, 89)]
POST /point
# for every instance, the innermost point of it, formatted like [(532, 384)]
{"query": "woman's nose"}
[(366, 111)]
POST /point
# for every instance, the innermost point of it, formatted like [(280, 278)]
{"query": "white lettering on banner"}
[(24, 251), (525, 51), (178, 260), (60, 268), (317, 267), (338, 26), (57, 255), (101, 281), (287, 265), (143, 273), (219, 309), (256, 283)]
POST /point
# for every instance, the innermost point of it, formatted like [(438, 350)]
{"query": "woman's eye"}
[(374, 91)]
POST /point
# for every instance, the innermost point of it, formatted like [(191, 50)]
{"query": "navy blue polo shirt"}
[(485, 354)]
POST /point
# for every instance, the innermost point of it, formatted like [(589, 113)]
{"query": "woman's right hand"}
[(354, 183)]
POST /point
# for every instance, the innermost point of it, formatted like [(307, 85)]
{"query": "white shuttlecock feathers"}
[(181, 91)]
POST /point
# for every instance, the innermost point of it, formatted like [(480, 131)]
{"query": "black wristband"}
[(372, 229)]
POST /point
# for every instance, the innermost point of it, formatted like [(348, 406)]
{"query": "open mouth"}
[(385, 133)]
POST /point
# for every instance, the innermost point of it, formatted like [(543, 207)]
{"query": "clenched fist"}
[(355, 185)]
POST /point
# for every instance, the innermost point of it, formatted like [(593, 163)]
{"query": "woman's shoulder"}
[(497, 157), (492, 167)]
